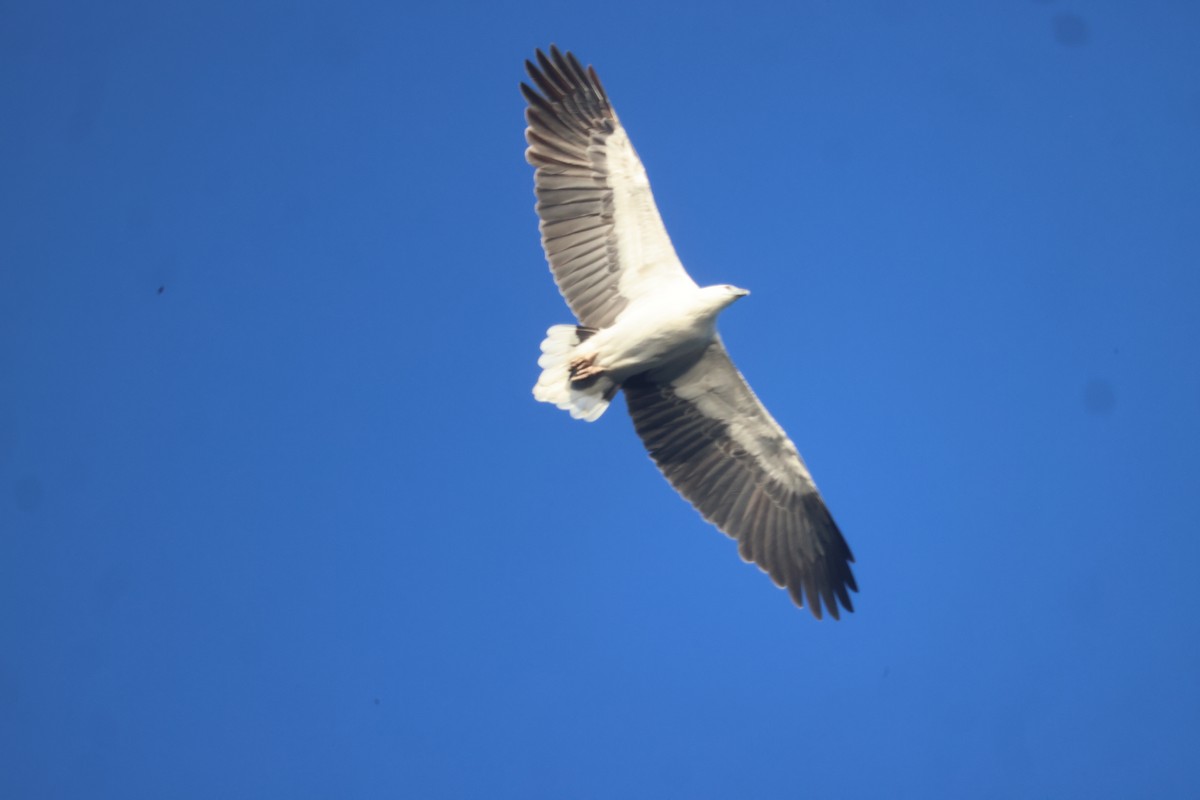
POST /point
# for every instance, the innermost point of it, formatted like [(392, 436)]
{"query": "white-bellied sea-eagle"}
[(647, 329)]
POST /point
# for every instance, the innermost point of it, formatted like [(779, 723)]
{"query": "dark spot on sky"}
[(27, 492), (1070, 30), (162, 289), (1099, 397), (376, 701)]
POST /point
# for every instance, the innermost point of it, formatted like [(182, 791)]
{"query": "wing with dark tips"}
[(720, 448), (601, 230)]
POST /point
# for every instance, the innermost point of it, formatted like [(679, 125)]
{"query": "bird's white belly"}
[(644, 339)]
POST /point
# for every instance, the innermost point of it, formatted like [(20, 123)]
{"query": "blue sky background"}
[(279, 516)]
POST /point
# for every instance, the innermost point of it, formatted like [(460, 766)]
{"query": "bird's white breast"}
[(654, 331)]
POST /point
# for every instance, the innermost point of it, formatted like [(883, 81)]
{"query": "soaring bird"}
[(647, 329)]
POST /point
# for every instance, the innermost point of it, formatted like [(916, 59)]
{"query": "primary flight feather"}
[(647, 329)]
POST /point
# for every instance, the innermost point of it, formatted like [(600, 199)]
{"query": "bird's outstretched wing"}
[(601, 230), (722, 450)]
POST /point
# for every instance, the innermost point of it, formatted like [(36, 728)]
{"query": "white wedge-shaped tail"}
[(587, 398)]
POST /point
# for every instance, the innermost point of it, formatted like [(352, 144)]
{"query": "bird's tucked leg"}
[(584, 367), (571, 379)]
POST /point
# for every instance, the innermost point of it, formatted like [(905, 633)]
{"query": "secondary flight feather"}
[(647, 329)]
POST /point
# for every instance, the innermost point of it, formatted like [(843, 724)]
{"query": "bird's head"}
[(723, 295)]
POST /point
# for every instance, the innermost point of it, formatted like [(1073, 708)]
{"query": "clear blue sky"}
[(280, 518)]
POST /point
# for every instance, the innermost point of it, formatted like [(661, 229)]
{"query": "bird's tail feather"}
[(585, 399)]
